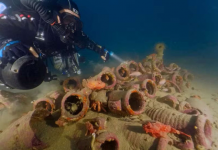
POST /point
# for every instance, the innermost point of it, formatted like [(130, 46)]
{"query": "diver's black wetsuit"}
[(49, 27), (27, 18)]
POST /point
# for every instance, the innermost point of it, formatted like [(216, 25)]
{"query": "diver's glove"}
[(12, 50), (104, 53)]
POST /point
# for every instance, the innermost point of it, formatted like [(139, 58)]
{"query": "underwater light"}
[(111, 53), (2, 7), (114, 56), (117, 58)]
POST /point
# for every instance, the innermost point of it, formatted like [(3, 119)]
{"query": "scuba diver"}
[(31, 31)]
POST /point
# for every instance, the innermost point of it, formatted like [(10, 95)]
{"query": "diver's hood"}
[(25, 73), (68, 4)]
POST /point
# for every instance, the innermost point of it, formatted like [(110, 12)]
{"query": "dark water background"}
[(132, 28)]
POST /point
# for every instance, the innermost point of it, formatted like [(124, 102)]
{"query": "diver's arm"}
[(44, 12), (83, 41)]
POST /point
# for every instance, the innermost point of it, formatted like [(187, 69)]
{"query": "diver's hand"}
[(104, 53), (12, 50)]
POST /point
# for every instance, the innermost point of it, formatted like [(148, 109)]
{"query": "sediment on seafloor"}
[(109, 109)]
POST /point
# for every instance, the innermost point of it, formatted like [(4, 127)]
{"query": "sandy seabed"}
[(63, 137), (128, 129)]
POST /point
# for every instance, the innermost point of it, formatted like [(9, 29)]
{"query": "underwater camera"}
[(25, 73)]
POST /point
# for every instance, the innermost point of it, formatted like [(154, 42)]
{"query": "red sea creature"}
[(99, 100), (100, 106), (95, 84), (157, 129), (90, 129), (95, 125)]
